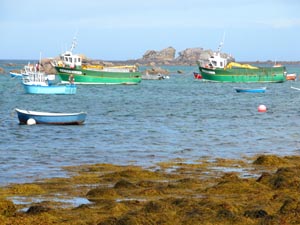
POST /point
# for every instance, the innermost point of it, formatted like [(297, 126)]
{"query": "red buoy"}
[(262, 108)]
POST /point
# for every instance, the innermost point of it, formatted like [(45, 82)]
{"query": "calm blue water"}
[(144, 124)]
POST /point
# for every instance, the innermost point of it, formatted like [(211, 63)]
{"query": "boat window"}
[(70, 59), (78, 59), (66, 59), (75, 60)]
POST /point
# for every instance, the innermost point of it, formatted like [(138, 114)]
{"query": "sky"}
[(125, 29)]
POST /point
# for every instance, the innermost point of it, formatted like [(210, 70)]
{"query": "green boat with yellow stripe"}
[(71, 70), (217, 69)]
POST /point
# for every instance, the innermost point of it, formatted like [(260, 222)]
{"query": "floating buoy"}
[(31, 121), (262, 108)]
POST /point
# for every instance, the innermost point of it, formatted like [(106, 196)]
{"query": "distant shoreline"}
[(160, 62)]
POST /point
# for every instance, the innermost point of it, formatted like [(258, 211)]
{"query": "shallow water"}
[(147, 123)]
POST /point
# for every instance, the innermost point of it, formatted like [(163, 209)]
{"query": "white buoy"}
[(262, 108), (31, 121)]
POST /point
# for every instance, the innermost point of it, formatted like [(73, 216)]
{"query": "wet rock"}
[(156, 71), (255, 214), (264, 178), (2, 71), (10, 64), (36, 209)]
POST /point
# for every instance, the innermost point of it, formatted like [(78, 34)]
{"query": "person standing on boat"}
[(71, 79), (37, 66)]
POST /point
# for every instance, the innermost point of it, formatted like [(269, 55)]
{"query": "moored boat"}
[(251, 90), (24, 117), (219, 69), (197, 76), (291, 76), (71, 64), (37, 82), (15, 74)]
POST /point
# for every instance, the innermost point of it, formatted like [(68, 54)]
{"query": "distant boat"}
[(14, 74), (197, 75), (218, 69), (71, 65), (291, 76), (51, 118), (251, 90), (36, 82)]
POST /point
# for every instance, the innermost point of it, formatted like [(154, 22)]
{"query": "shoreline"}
[(259, 190)]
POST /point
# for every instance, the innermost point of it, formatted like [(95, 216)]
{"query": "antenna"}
[(74, 42), (221, 43)]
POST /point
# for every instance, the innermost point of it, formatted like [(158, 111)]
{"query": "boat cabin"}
[(70, 60), (217, 61)]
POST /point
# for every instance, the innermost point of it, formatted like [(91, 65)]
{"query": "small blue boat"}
[(37, 82), (34, 117), (50, 89), (251, 90), (15, 74)]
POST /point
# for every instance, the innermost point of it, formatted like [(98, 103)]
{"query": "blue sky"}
[(126, 29)]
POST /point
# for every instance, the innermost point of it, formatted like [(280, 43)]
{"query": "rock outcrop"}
[(167, 54), (188, 56), (2, 71), (47, 66)]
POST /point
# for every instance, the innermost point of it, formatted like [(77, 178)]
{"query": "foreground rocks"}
[(264, 190)]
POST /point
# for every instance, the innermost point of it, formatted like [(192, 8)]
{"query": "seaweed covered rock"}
[(286, 177), (101, 193), (269, 160), (231, 184), (7, 208), (124, 184), (290, 205)]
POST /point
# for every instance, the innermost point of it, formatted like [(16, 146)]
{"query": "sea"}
[(155, 121)]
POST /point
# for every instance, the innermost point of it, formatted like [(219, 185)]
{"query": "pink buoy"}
[(262, 108)]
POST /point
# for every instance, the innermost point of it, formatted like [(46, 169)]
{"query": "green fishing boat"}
[(218, 69), (71, 70)]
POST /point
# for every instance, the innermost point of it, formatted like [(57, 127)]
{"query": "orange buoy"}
[(262, 108)]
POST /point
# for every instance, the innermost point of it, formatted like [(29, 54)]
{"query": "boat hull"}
[(248, 90), (244, 75), (15, 75), (51, 89), (86, 76), (51, 118), (197, 76), (292, 76)]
